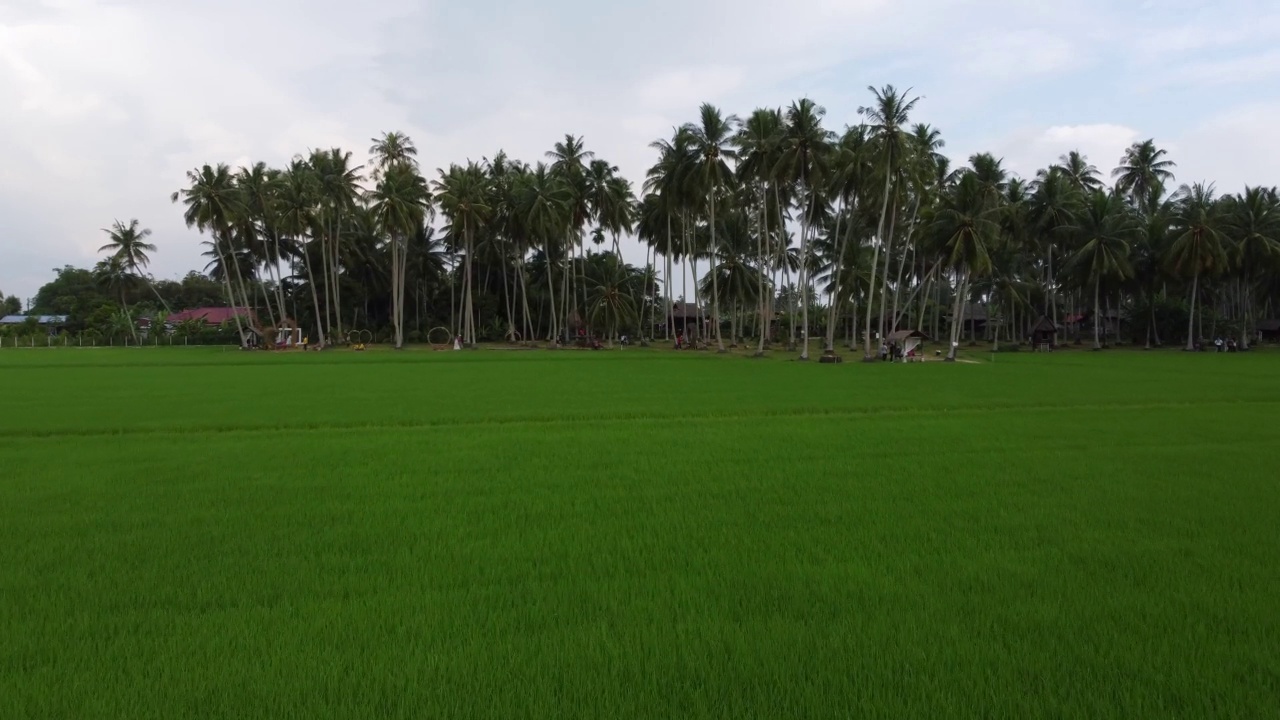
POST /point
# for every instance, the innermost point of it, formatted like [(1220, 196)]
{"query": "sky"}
[(106, 104)]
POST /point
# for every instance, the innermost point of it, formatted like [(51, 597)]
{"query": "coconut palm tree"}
[(803, 162), (400, 204), (463, 196), (392, 148), (128, 243), (888, 117), (1197, 249), (115, 277), (544, 206), (1106, 229), (1143, 174), (965, 226), (297, 200), (711, 175), (668, 181), (212, 205), (1078, 171), (611, 293), (338, 184), (759, 140), (569, 160), (1252, 222)]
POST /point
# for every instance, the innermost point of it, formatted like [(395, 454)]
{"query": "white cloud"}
[(1027, 150), (107, 103)]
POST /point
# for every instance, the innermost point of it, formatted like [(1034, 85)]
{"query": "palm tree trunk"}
[(875, 260), (1191, 318), (336, 269), (897, 285), (888, 258), (835, 283), (762, 252), (957, 316), (715, 282), (804, 275), (315, 294), (469, 330), (1097, 316)]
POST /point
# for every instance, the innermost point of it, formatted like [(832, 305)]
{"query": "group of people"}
[(1228, 346), (893, 352)]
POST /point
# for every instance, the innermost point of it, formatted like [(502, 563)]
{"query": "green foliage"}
[(192, 533)]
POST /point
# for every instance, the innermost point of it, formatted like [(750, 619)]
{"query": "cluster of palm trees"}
[(313, 231), (798, 229)]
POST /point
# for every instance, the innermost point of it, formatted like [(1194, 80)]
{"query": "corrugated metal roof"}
[(42, 319)]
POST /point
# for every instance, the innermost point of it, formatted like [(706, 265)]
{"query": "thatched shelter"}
[(1044, 334)]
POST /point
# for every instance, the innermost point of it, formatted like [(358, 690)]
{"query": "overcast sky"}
[(105, 104)]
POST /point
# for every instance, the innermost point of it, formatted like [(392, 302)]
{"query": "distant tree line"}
[(788, 229)]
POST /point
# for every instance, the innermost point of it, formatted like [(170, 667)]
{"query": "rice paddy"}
[(213, 534)]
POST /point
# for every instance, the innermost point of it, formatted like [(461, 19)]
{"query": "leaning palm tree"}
[(1106, 230), (1197, 247), (712, 138), (212, 205), (114, 276), (400, 204), (128, 244)]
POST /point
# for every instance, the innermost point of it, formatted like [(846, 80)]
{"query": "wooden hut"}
[(1044, 334)]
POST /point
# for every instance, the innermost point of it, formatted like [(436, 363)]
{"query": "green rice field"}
[(204, 533)]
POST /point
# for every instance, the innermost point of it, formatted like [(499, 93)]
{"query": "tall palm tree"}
[(543, 205), (1197, 247), (391, 148), (463, 197), (668, 180), (569, 160), (713, 138), (1106, 230), (759, 140), (1078, 171), (803, 161), (297, 200), (888, 117), (1252, 222), (965, 226), (339, 189), (1143, 173), (128, 243), (400, 203)]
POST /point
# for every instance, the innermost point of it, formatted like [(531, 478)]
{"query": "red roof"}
[(211, 315)]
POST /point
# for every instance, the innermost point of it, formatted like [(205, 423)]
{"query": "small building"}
[(684, 316), (53, 324), (906, 344), (1044, 334), (1269, 330), (213, 316)]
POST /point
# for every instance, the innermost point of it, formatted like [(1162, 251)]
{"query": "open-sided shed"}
[(908, 343)]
